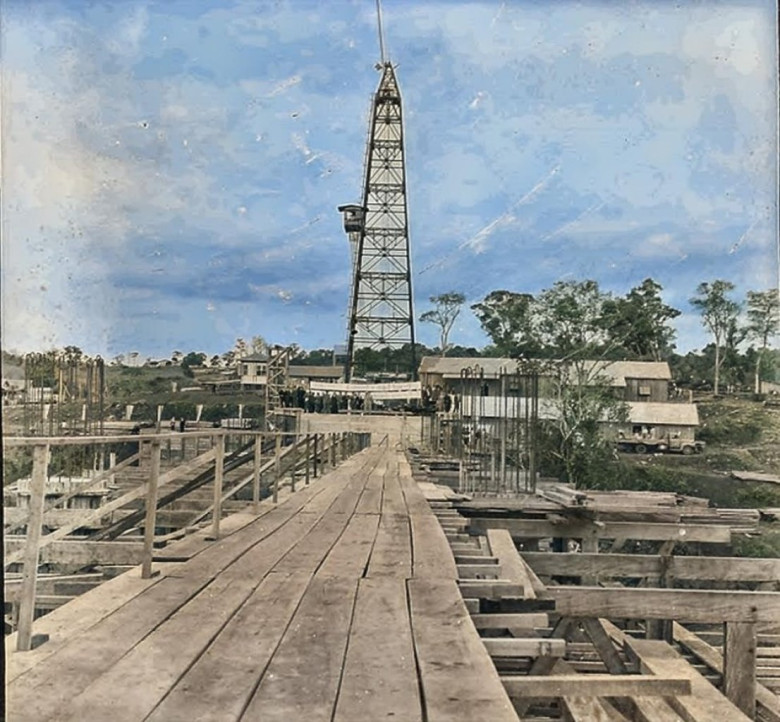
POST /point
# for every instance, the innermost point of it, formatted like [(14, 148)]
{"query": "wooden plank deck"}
[(340, 603)]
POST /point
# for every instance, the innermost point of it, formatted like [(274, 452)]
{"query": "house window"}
[(644, 391), (245, 369)]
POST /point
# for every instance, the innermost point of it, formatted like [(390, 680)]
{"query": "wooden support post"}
[(256, 472), (277, 466), (151, 509), (332, 449), (293, 461), (308, 454), (315, 457), (739, 673), (219, 473), (111, 465), (32, 550)]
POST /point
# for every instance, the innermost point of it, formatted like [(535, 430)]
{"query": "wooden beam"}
[(596, 685), (490, 588), (90, 515), (72, 553), (31, 552), (603, 644), (767, 700), (17, 521), (528, 647), (705, 703), (151, 509), (532, 620), (512, 565), (643, 565), (693, 605), (739, 674), (537, 528)]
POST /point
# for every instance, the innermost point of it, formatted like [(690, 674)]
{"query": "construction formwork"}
[(494, 440)]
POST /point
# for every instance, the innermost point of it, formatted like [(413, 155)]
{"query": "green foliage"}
[(719, 315), (506, 317), (638, 323), (445, 312), (765, 546)]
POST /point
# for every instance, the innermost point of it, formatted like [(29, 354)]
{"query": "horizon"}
[(173, 170)]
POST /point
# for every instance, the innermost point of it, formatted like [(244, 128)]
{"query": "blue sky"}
[(172, 169)]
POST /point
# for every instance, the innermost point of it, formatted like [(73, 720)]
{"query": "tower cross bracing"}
[(381, 312)]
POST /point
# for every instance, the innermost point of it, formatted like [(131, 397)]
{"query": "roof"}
[(315, 372), (648, 412), (617, 371), (257, 357)]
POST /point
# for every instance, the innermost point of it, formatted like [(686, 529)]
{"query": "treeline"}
[(576, 319)]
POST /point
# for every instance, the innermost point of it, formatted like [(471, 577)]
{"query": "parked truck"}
[(664, 445)]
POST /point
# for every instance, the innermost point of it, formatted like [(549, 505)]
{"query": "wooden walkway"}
[(339, 603)]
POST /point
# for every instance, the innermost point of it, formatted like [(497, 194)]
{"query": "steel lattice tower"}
[(380, 312)]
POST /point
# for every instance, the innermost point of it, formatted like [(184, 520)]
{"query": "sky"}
[(172, 170)]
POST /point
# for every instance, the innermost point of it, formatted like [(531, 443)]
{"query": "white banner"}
[(387, 391), (129, 411), (198, 412)]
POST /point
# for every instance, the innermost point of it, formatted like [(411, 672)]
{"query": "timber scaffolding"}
[(604, 613), (367, 594)]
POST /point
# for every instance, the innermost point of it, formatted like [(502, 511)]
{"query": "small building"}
[(642, 381), (660, 420), (253, 371), (300, 375)]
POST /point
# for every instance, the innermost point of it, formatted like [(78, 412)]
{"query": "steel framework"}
[(381, 314)]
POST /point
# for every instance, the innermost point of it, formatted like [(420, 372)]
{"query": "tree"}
[(763, 312), (638, 322), (257, 345), (240, 348), (506, 317), (193, 358), (447, 307), (719, 315)]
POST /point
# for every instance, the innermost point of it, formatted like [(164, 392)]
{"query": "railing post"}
[(277, 465), (294, 461), (31, 549), (151, 509), (219, 472), (315, 457), (308, 450), (256, 472), (332, 449)]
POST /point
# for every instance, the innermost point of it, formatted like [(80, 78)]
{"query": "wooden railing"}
[(276, 453)]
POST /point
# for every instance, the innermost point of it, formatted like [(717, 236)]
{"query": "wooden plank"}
[(769, 702), (739, 662), (692, 605), (220, 682), (370, 501), (431, 555), (444, 640), (479, 571), (520, 622), (512, 565), (705, 703), (536, 528), (393, 501), (73, 667), (603, 644), (380, 685), (644, 565), (584, 709), (350, 554), (72, 553), (302, 680), (595, 685), (75, 619), (391, 555), (490, 588), (528, 647)]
